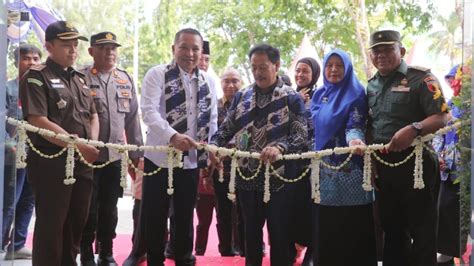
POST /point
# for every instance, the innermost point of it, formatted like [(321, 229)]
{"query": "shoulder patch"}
[(35, 81), (39, 67), (80, 73), (420, 68), (433, 86)]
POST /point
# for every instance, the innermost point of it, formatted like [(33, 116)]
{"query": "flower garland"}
[(138, 171), (294, 180), (340, 166), (315, 167), (367, 176), (21, 148), (174, 158), (171, 164), (221, 175), (266, 189), (69, 180), (252, 176), (418, 170), (233, 166), (123, 168)]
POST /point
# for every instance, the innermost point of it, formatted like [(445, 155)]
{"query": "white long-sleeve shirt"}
[(154, 113)]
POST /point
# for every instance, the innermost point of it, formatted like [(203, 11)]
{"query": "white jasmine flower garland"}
[(174, 158)]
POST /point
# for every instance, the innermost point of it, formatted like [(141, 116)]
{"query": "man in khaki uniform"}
[(55, 96), (116, 102), (405, 102)]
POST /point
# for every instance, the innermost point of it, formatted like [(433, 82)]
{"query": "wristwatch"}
[(418, 126)]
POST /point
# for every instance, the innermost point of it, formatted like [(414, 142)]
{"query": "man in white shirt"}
[(179, 106)]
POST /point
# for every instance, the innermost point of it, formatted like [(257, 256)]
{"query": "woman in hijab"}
[(343, 226), (306, 75)]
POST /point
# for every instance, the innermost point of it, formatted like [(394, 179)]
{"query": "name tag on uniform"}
[(57, 86), (400, 89)]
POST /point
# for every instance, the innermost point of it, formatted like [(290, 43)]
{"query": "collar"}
[(56, 68), (278, 83), (187, 75), (95, 71), (402, 68), (226, 100)]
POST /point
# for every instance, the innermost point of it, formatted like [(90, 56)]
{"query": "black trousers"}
[(224, 208), (448, 219), (277, 215), (344, 235), (407, 215), (155, 207), (301, 219), (103, 216), (139, 236)]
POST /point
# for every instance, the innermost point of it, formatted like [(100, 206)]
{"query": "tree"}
[(444, 40), (234, 26)]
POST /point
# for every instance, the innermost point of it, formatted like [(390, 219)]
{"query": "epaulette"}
[(126, 73), (80, 73), (39, 67), (419, 68)]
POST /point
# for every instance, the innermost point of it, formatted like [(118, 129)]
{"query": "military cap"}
[(384, 37), (205, 48), (105, 37), (62, 30)]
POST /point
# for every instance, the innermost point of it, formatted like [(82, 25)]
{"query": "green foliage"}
[(463, 101), (444, 40), (233, 26), (91, 16)]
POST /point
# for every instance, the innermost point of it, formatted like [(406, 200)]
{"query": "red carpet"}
[(123, 245)]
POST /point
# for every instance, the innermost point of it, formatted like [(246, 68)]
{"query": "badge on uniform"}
[(93, 93), (400, 89), (61, 104), (125, 93), (325, 100), (433, 87), (121, 81), (125, 104)]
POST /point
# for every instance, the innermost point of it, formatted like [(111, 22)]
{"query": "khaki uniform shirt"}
[(60, 95), (409, 94), (116, 102)]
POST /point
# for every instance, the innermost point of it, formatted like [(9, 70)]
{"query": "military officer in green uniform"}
[(404, 102), (116, 102), (56, 97)]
